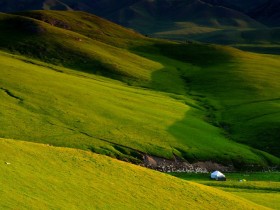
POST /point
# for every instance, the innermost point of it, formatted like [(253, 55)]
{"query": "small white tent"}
[(217, 175)]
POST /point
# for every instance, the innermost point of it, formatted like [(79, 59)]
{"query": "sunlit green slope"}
[(58, 46), (56, 106), (261, 188), (35, 176), (89, 25), (209, 95), (240, 90)]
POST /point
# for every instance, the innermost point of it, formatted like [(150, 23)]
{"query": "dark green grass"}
[(260, 48), (240, 90), (225, 35)]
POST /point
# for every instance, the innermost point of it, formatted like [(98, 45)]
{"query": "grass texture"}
[(45, 177)]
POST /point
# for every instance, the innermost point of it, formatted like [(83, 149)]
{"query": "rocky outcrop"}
[(179, 165)]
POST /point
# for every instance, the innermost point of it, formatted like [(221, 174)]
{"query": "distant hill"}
[(240, 5), (146, 15), (268, 13), (130, 12), (172, 17), (225, 36), (14, 5)]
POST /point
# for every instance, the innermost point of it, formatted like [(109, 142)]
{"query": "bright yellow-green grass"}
[(266, 193), (262, 188), (36, 176), (213, 94), (268, 199), (64, 47), (63, 108), (167, 99), (89, 25)]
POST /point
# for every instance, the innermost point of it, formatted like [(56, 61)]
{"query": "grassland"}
[(49, 110), (166, 98), (222, 35), (240, 90), (70, 79), (261, 188), (45, 177), (273, 49), (90, 26)]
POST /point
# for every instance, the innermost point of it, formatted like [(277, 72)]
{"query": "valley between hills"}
[(83, 100)]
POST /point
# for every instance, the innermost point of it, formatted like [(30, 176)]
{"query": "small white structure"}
[(217, 175)]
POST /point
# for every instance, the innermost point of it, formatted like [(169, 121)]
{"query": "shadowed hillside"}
[(262, 37), (88, 25), (267, 13), (172, 19)]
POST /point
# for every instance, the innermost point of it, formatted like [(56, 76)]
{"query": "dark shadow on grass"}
[(203, 55), (273, 50), (203, 85), (33, 39)]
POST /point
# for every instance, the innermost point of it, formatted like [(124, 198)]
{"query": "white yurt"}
[(217, 175)]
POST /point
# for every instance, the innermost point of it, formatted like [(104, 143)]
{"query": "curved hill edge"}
[(44, 169)]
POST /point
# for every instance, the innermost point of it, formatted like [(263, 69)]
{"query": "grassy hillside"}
[(262, 48), (262, 188), (51, 44), (240, 90), (267, 13), (204, 92), (216, 21), (89, 25), (45, 177), (56, 107), (221, 35)]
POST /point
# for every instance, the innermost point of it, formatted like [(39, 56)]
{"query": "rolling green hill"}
[(60, 107), (63, 47), (225, 36), (38, 176), (88, 25), (212, 21), (243, 89), (189, 100)]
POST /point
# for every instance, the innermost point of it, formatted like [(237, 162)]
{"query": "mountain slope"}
[(196, 78), (238, 5), (136, 13), (177, 18), (244, 87), (132, 123), (88, 25), (154, 16), (45, 177), (267, 13), (14, 5), (226, 36), (64, 47)]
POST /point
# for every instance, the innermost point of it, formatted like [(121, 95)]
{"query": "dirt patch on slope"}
[(179, 165)]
